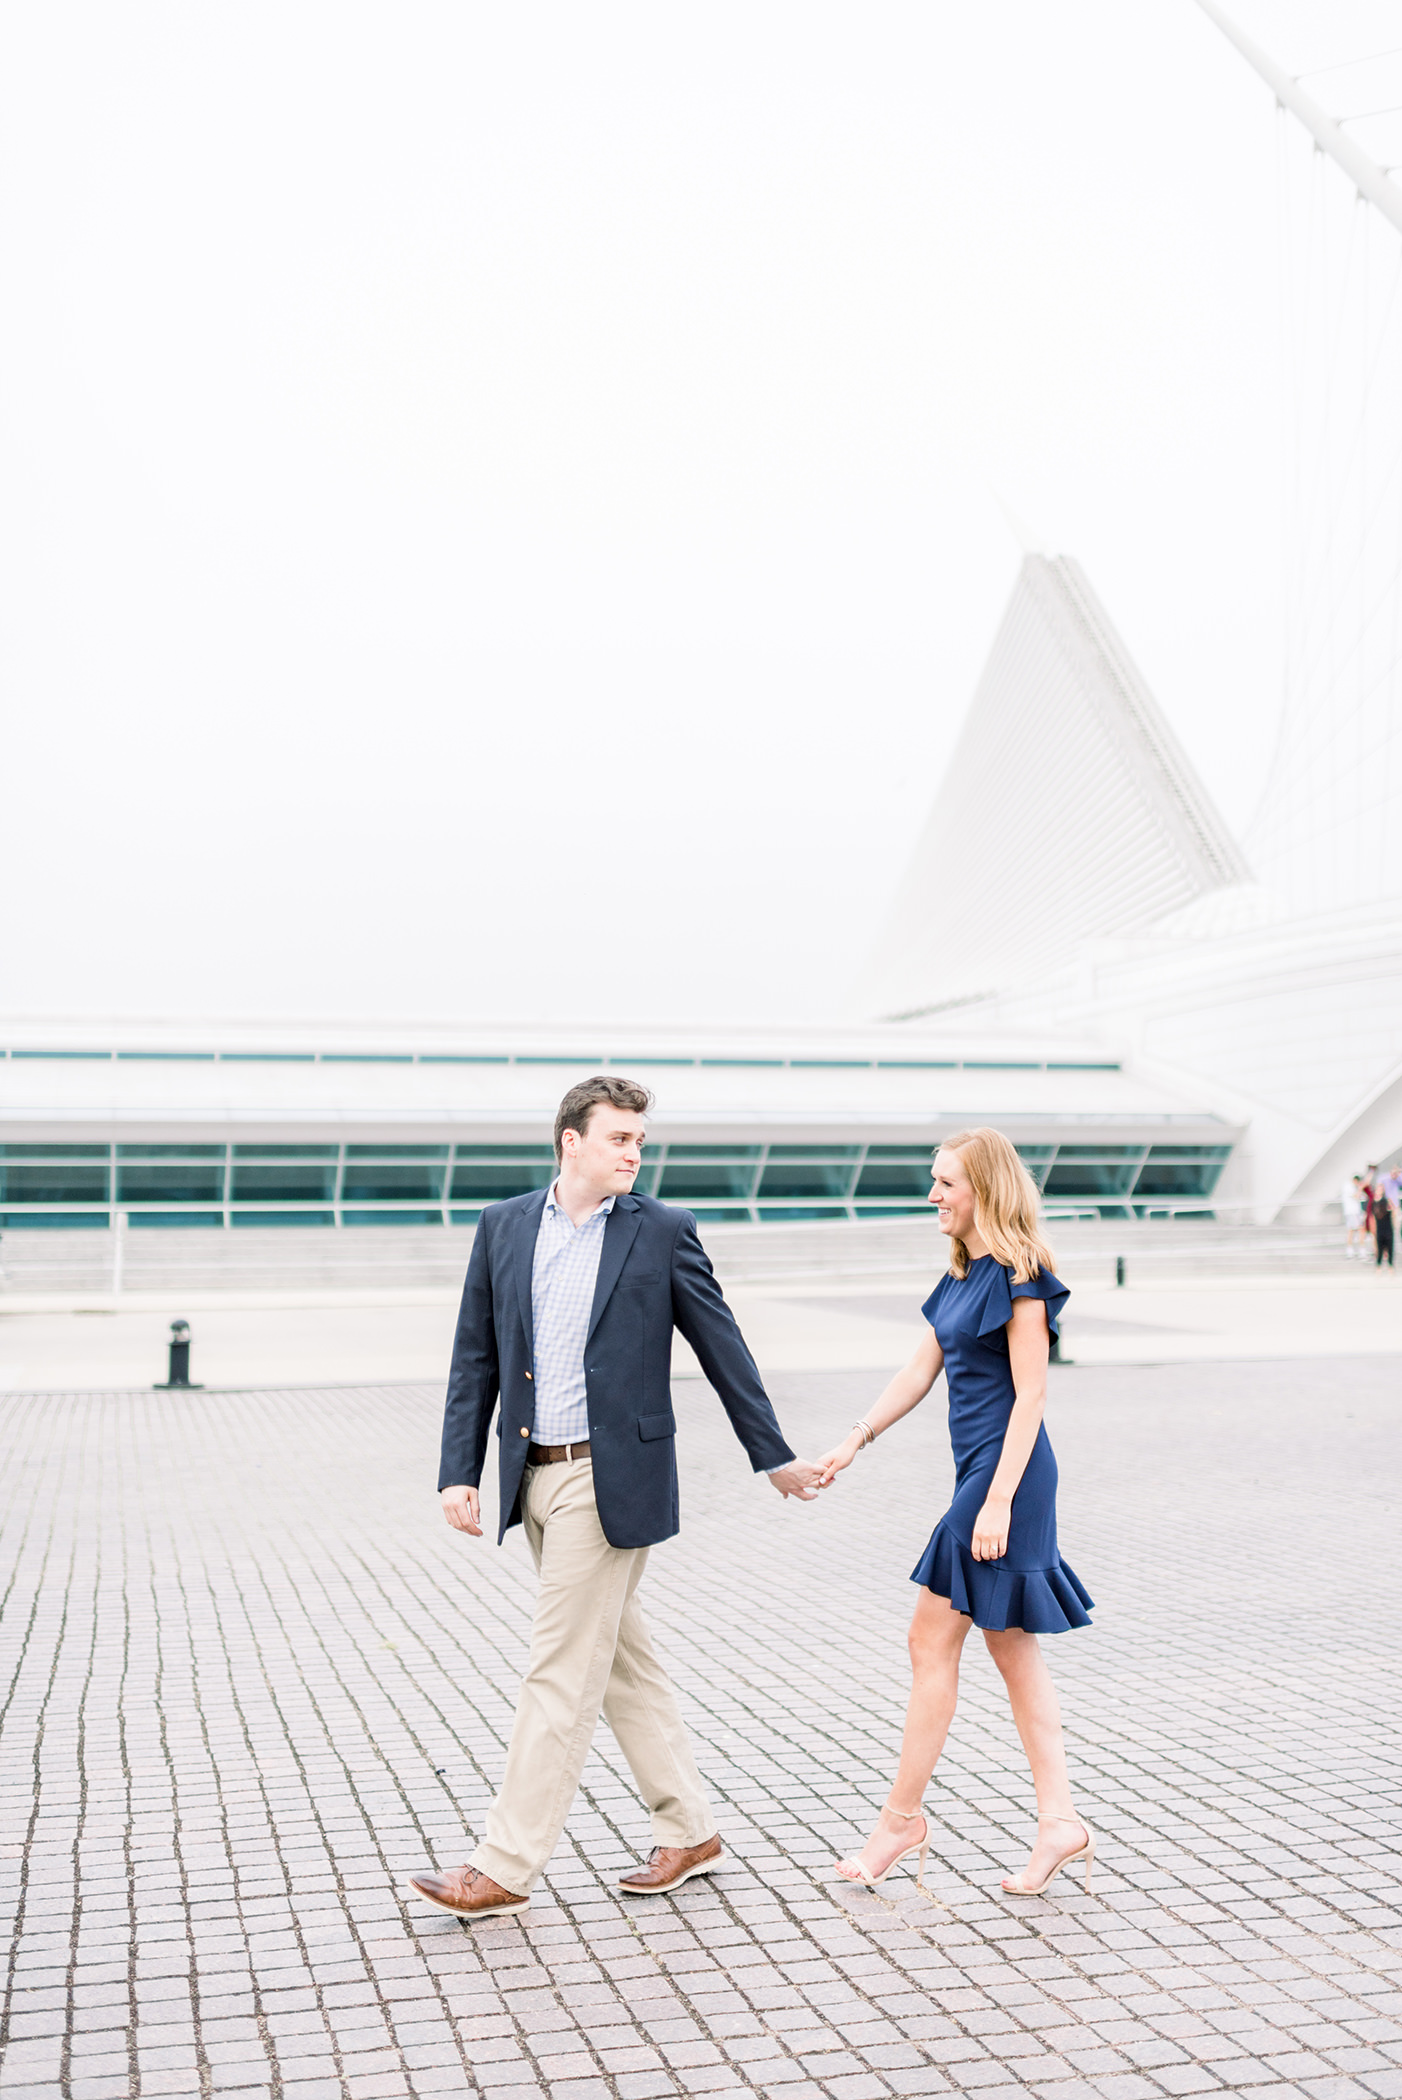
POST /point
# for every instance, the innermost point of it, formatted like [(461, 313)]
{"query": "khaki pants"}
[(590, 1652)]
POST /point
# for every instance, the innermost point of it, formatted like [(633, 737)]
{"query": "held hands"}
[(991, 1528), (463, 1510), (839, 1458), (798, 1478)]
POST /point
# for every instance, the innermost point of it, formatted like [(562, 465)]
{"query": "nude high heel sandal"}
[(853, 1870), (1085, 1851)]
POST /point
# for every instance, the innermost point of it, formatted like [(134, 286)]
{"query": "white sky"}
[(498, 500)]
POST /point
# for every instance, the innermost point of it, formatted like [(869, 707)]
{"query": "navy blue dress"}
[(1031, 1586)]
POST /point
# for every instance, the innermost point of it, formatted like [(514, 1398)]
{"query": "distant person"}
[(587, 1465), (1370, 1205), (1385, 1189), (1353, 1207), (993, 1561)]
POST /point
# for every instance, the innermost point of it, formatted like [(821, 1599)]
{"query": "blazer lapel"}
[(523, 1261), (619, 1235)]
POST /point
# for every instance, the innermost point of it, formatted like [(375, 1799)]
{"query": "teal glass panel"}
[(747, 1062), (922, 1153), (486, 1184), (702, 1152), (267, 1057), (590, 1064), (284, 1181), (798, 1213), (1090, 1178), (365, 1057), (894, 1178), (167, 1057), (1076, 1066), (648, 1174), (1098, 1153), (170, 1152), (917, 1064), (893, 1210), (1037, 1159), (183, 1220), (1000, 1064), (830, 1064), (465, 1217), (1184, 1178), (171, 1181), (283, 1217), (86, 1057), (54, 1152), (385, 1181), (447, 1059), (538, 1154), (396, 1152), (689, 1181), (49, 1220), (56, 1181), (1220, 1153), (286, 1151), (717, 1214), (391, 1217), (811, 1152), (789, 1178)]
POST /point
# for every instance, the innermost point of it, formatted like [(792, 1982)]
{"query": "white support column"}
[(1367, 177)]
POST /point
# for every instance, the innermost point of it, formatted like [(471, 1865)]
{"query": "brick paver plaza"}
[(250, 1679)]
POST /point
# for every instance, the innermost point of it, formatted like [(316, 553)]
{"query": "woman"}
[(1383, 1191), (993, 1560)]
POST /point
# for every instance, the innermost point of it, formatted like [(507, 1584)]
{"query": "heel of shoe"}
[(1090, 1855), (924, 1855)]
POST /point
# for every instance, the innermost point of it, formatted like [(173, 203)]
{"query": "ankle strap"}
[(901, 1814), (1063, 1819)]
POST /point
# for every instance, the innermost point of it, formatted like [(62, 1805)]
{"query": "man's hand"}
[(463, 1510), (797, 1478)]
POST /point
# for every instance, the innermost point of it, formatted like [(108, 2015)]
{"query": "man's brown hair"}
[(581, 1101)]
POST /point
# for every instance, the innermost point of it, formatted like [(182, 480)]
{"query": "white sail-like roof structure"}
[(1069, 794), (1112, 900)]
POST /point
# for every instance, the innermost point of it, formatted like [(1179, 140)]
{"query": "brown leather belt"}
[(552, 1454)]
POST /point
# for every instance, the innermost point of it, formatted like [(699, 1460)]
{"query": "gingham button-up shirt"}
[(563, 1276)]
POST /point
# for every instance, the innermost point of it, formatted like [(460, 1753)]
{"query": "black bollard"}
[(178, 1377), (1119, 1272)]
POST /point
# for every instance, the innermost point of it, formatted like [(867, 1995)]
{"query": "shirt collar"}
[(552, 1204)]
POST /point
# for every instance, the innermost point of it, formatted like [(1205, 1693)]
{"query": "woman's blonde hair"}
[(1005, 1204)]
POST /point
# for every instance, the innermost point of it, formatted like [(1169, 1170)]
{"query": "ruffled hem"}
[(995, 1597)]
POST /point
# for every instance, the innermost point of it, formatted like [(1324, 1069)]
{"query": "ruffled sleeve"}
[(998, 1308), (928, 1308)]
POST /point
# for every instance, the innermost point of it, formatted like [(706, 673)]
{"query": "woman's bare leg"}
[(1038, 1716), (936, 1639)]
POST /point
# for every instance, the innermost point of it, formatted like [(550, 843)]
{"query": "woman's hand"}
[(835, 1461), (991, 1528)]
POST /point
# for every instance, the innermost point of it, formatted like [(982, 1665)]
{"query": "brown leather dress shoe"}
[(668, 1866), (467, 1893)]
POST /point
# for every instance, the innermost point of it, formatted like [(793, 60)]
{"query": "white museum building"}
[(1180, 1051)]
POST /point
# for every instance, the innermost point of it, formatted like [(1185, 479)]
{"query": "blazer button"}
[(525, 1432)]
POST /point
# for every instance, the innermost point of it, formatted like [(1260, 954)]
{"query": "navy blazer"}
[(653, 1276)]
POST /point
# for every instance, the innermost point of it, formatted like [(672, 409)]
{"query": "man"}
[(567, 1316)]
